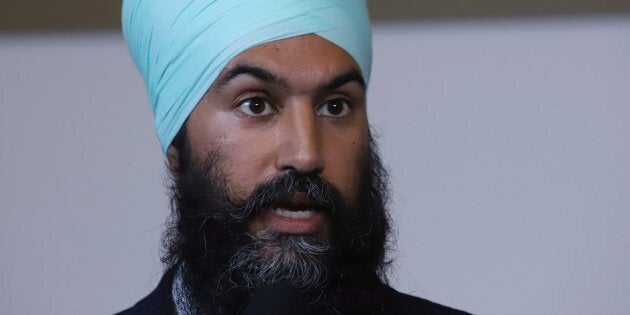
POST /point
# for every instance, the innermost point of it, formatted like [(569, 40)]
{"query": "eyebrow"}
[(254, 71), (269, 77), (347, 77)]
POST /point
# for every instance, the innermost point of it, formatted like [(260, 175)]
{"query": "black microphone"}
[(278, 299)]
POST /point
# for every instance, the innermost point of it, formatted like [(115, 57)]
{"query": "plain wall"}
[(508, 144)]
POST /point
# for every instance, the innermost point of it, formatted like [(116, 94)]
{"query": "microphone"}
[(278, 299)]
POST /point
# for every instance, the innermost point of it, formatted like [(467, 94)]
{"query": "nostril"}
[(303, 164)]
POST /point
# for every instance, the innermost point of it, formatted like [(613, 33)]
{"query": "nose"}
[(299, 140)]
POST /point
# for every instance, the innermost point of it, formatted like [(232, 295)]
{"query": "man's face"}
[(276, 180), (293, 104)]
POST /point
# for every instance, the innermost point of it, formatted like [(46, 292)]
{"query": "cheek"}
[(246, 164), (244, 155), (343, 163)]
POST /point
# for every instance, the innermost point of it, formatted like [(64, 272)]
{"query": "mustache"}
[(314, 190)]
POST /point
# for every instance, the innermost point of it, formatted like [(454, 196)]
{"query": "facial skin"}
[(294, 104)]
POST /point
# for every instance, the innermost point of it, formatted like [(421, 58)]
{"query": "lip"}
[(293, 221), (297, 214)]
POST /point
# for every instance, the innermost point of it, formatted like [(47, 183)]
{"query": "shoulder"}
[(400, 303), (159, 302)]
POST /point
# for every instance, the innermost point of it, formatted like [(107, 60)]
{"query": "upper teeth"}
[(294, 214)]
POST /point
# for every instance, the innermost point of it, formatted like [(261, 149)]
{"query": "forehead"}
[(302, 57)]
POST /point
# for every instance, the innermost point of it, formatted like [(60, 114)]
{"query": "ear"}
[(172, 156)]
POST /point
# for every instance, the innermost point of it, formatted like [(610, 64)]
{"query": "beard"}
[(224, 263)]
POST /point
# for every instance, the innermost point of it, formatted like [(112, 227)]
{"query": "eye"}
[(256, 106), (336, 108)]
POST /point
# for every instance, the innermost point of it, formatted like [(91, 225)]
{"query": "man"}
[(278, 193)]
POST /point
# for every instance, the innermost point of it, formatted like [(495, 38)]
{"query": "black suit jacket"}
[(160, 302)]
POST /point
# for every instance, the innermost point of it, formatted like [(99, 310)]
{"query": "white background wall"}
[(508, 142)]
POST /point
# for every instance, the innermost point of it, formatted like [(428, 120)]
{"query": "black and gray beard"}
[(225, 264), (297, 260)]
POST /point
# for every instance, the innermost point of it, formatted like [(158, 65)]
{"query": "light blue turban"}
[(181, 46)]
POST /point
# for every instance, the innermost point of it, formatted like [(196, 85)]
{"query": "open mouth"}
[(296, 215)]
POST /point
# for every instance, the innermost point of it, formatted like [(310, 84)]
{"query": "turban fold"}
[(181, 46)]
